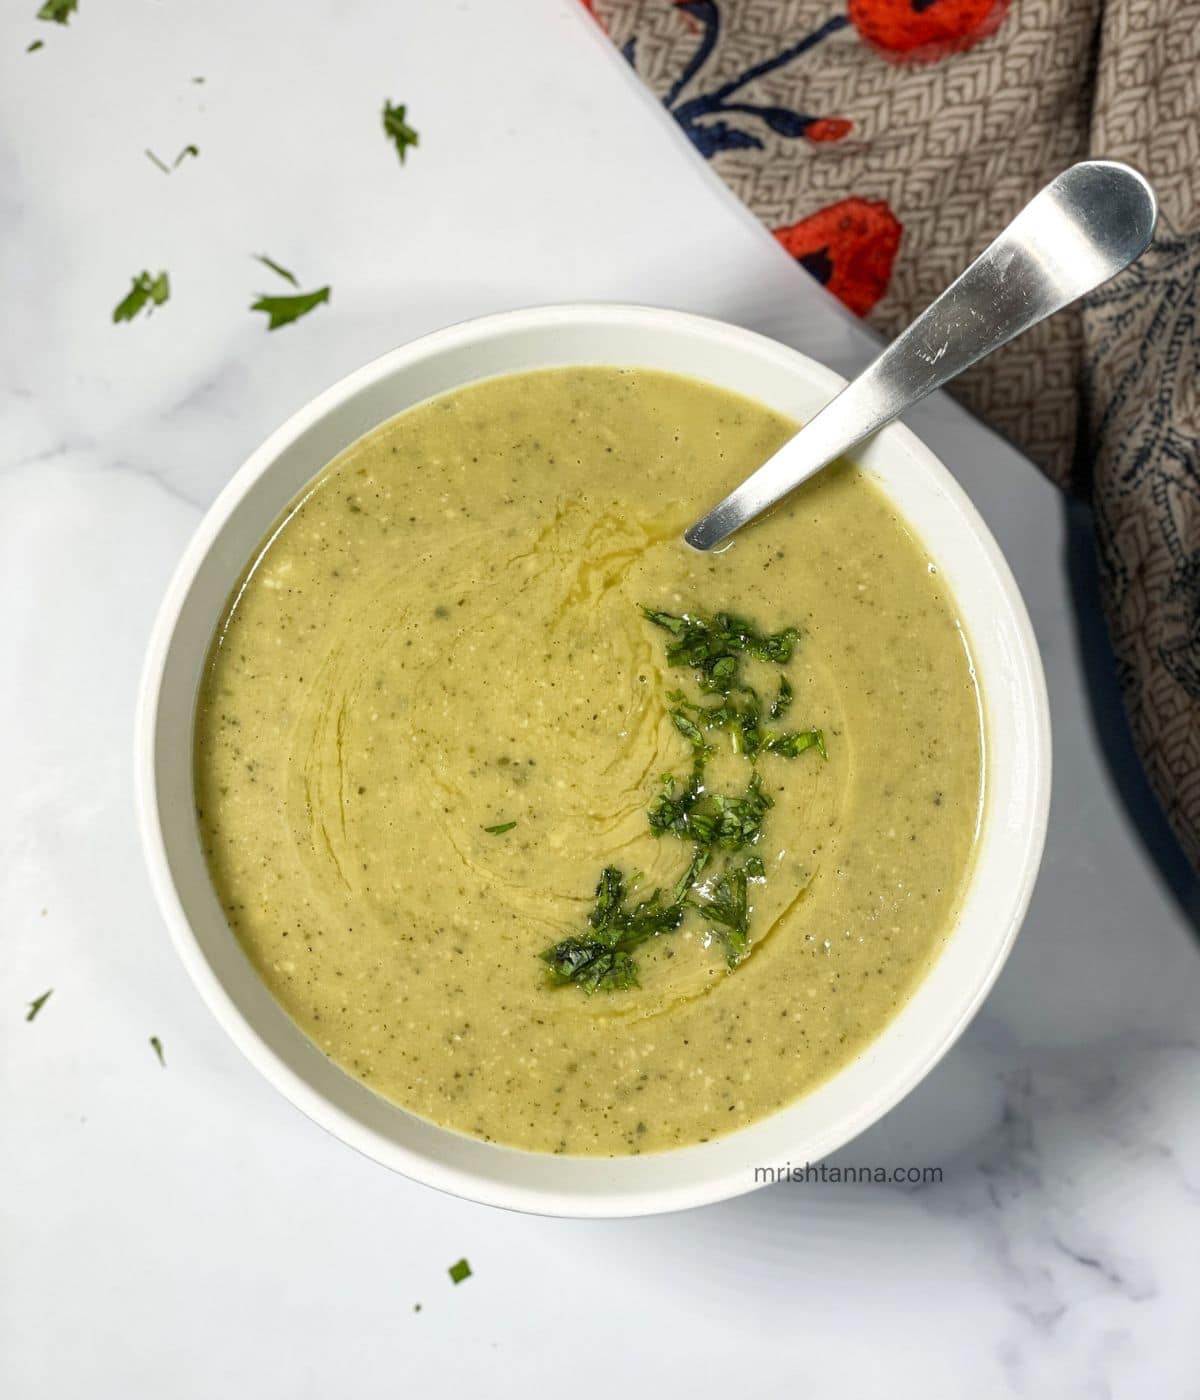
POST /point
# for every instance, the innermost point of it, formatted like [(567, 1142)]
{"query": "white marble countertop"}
[(183, 1231)]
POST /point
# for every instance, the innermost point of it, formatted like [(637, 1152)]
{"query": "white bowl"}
[(1017, 761)]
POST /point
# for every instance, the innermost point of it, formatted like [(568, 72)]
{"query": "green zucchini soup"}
[(554, 831)]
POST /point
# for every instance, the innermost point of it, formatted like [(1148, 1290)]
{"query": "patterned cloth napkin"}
[(885, 142)]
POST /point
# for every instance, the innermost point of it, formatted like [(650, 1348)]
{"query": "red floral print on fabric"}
[(850, 247), (922, 31), (828, 129)]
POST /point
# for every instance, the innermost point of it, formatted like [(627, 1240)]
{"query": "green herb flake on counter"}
[(58, 11), (146, 293), (281, 311), (397, 129), (277, 268), (37, 1003)]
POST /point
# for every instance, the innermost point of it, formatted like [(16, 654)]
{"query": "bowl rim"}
[(463, 1182)]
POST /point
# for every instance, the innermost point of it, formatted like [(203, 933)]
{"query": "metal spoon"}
[(1083, 228)]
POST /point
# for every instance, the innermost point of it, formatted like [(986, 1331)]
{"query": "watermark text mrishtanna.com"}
[(829, 1174)]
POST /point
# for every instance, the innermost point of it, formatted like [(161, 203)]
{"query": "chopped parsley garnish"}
[(156, 1046), (37, 1003), (188, 150), (714, 646), (37, 44), (162, 165), (147, 292), (58, 11), (398, 130), (599, 960), (276, 268), (713, 823), (710, 819), (283, 310), (726, 903), (500, 829), (458, 1272), (793, 745)]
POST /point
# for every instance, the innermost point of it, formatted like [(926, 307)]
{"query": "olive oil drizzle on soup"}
[(435, 710)]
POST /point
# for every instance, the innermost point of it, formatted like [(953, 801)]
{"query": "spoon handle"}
[(1085, 226)]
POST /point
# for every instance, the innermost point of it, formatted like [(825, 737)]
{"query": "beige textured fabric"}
[(887, 141), (1141, 355)]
